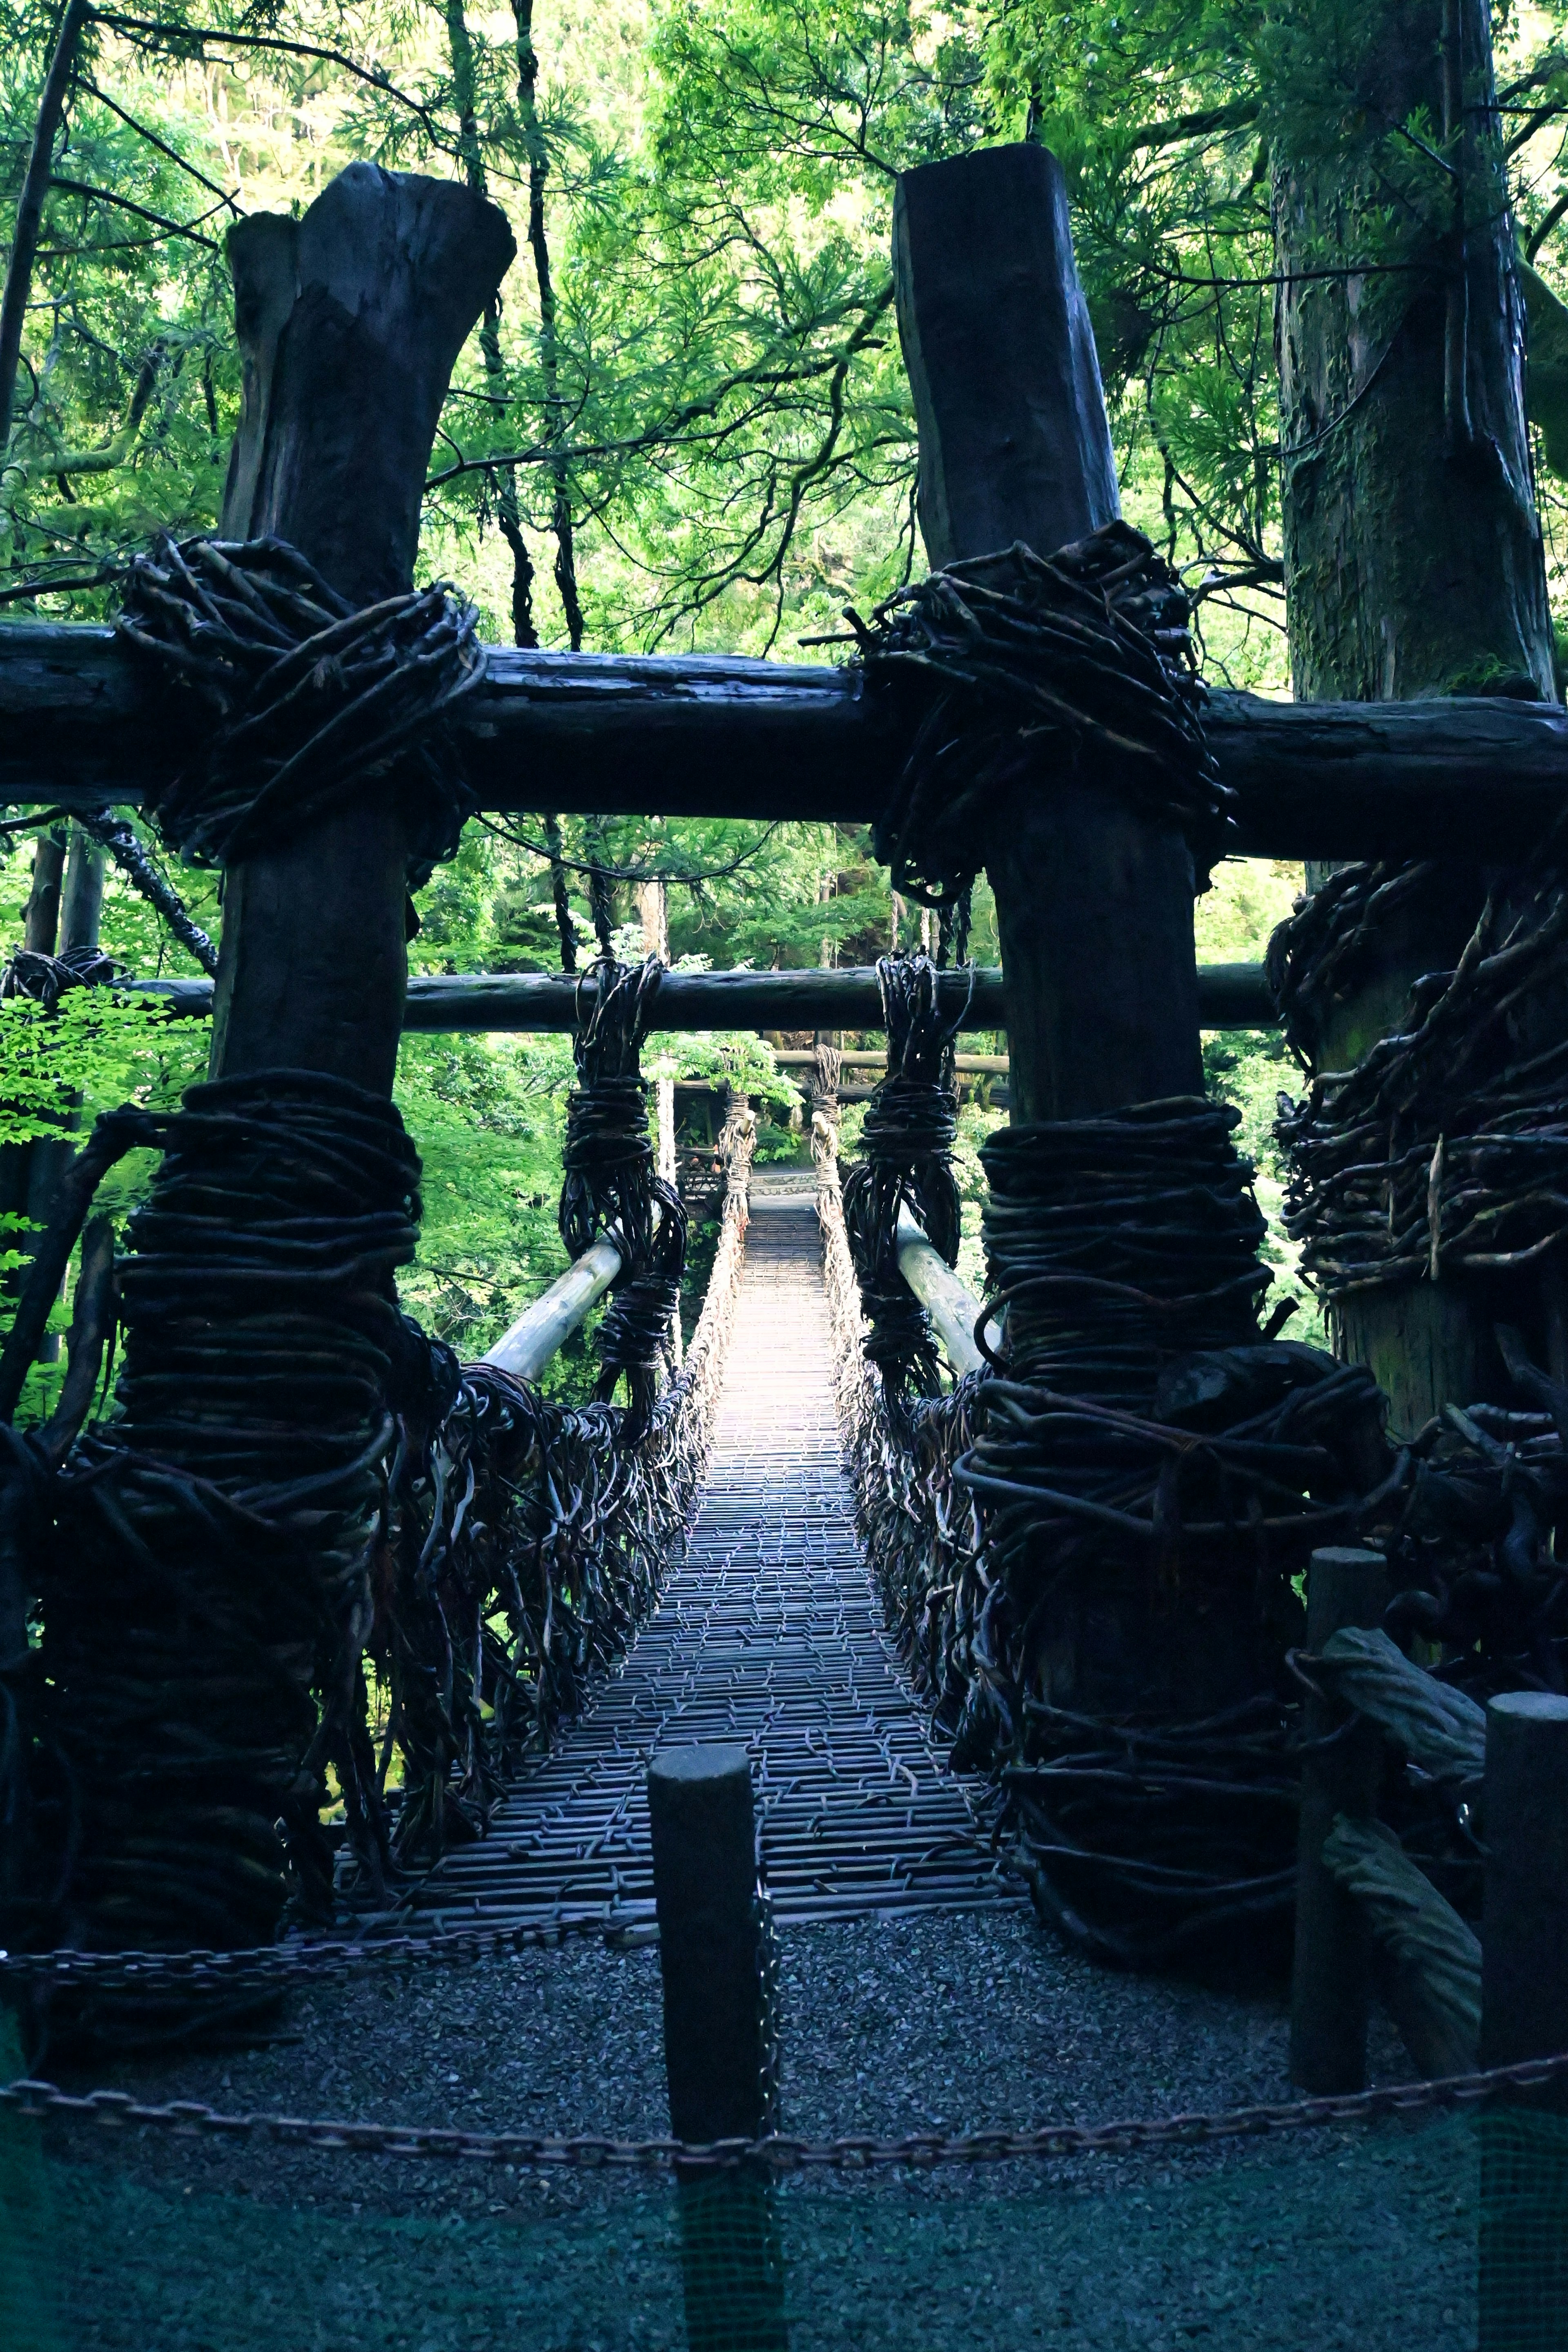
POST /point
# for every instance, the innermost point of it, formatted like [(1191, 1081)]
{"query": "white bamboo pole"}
[(951, 1309), (540, 1329)]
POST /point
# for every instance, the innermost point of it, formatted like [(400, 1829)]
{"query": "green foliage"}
[(690, 423)]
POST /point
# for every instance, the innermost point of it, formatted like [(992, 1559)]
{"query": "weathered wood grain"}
[(82, 723)]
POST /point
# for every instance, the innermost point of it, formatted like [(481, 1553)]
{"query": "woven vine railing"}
[(529, 1541), (1166, 1833)]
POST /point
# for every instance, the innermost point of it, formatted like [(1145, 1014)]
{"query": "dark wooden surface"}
[(1524, 1926), (1230, 996), (348, 322), (703, 735), (1094, 904), (1330, 1981), (702, 1817)]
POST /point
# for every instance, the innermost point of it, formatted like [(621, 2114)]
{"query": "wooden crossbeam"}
[(1230, 996), (81, 722)]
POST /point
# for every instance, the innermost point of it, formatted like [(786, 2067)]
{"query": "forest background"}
[(686, 425)]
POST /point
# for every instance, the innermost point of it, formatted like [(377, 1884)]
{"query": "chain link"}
[(779, 2153), (769, 1981), (273, 1966)]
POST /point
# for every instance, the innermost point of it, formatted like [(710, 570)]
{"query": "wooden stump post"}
[(705, 1886), (1524, 2014), (1524, 1936), (1330, 1981), (349, 321), (715, 2039)]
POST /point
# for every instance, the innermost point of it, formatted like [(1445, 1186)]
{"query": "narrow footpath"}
[(768, 1633)]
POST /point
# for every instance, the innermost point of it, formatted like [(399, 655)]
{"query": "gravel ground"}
[(148, 2242)]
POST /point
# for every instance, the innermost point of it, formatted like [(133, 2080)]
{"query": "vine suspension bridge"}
[(768, 1633)]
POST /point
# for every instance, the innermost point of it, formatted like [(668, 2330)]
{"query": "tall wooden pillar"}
[(1094, 903), (349, 321)]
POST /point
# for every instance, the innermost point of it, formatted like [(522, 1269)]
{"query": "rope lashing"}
[(827, 1075), (1019, 666), (1136, 1441), (1329, 944), (207, 1558), (1115, 1243), (312, 702), (1445, 1149), (610, 1183), (906, 1160), (45, 979)]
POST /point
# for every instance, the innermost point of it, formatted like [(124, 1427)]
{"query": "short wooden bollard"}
[(716, 2032), (1524, 2014), (1330, 1982)]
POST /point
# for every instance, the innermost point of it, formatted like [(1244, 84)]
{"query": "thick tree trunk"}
[(349, 321), (1413, 549)]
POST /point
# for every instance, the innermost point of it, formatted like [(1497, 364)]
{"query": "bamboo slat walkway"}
[(768, 1633)]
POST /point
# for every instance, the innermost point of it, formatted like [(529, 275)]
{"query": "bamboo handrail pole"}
[(952, 1311), (543, 1329)]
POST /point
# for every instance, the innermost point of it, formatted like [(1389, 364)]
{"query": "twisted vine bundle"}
[(907, 1161), (609, 1184), (45, 979), (207, 1558), (312, 697), (1022, 664), (1446, 1150), (1034, 1528), (1321, 951)]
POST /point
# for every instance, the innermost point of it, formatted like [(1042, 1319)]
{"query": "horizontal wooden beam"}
[(715, 735), (1230, 996)]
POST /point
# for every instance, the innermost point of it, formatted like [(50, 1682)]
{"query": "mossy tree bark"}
[(1413, 550)]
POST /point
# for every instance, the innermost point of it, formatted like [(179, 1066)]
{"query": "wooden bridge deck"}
[(768, 1633)]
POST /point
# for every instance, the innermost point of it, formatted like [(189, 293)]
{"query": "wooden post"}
[(1329, 1985), (1094, 903), (715, 2040), (1523, 2297), (349, 321), (1524, 1934), (705, 1886)]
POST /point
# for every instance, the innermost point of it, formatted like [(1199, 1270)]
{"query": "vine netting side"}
[(1022, 1516), (530, 1541), (1439, 1163)]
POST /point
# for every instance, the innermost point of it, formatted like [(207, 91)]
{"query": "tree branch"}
[(30, 208)]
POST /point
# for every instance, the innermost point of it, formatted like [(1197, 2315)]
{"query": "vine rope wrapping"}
[(312, 697), (1134, 1447), (1446, 1150), (610, 1183), (1015, 662), (906, 1161), (205, 1554)]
